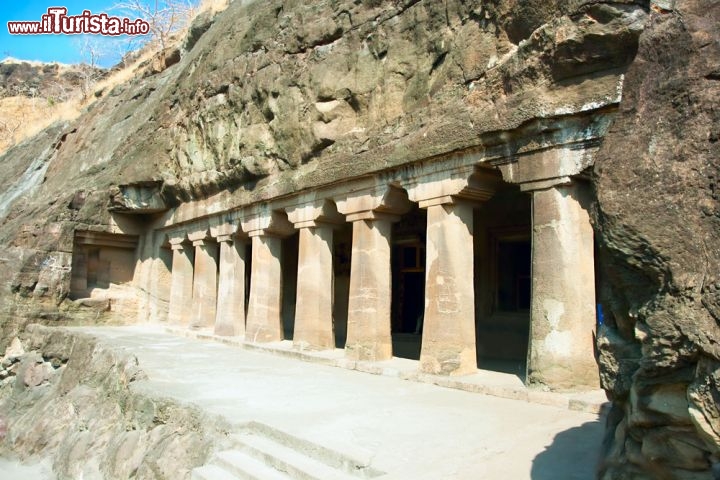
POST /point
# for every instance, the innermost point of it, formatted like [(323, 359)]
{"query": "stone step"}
[(245, 467), (294, 463), (211, 472), (351, 460)]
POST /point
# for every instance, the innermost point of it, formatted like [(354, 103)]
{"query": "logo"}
[(57, 21)]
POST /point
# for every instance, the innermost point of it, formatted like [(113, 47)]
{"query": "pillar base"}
[(369, 352)]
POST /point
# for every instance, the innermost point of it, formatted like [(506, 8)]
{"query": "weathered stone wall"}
[(658, 226), (64, 396)]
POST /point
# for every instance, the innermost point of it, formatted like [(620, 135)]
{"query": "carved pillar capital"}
[(177, 240), (459, 184), (198, 237), (266, 222), (548, 168), (380, 202), (224, 228), (314, 212)]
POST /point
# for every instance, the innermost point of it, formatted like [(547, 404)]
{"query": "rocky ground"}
[(66, 397), (53, 82), (34, 94)]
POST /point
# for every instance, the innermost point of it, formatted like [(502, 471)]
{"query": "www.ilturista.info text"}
[(57, 21)]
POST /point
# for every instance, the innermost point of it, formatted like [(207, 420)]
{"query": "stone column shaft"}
[(563, 291), (368, 331), (372, 212), (159, 284), (230, 319), (314, 304), (181, 285), (264, 323), (448, 340), (204, 284)]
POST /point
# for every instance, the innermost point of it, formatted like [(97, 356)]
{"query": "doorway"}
[(408, 292)]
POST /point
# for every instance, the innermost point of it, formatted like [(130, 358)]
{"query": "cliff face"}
[(658, 226), (273, 85)]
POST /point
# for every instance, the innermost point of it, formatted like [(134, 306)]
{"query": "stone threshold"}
[(486, 382)]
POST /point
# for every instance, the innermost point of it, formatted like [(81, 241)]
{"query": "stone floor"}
[(498, 378), (408, 429)]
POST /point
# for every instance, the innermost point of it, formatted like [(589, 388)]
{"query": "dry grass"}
[(23, 117), (213, 6)]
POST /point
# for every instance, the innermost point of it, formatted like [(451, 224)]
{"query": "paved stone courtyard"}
[(406, 429)]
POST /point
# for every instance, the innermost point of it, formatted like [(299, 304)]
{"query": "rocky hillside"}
[(32, 94), (48, 80)]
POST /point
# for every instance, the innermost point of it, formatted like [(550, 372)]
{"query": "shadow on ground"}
[(561, 459)]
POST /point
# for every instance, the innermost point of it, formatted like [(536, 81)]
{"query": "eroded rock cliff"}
[(658, 226)]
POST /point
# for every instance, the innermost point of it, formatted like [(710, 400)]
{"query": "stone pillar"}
[(313, 310), (181, 282), (159, 283), (230, 318), (315, 282), (369, 303), (448, 339), (562, 322), (204, 296), (264, 321)]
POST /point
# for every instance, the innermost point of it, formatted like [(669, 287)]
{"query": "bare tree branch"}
[(91, 51), (165, 17)]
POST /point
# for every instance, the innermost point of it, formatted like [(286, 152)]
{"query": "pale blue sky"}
[(58, 48)]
